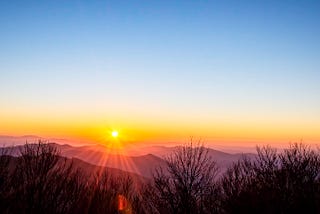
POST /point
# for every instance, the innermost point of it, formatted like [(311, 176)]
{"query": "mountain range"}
[(144, 161)]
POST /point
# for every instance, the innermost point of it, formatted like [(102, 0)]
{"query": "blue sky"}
[(198, 60)]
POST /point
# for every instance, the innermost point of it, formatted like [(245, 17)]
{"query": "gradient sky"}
[(225, 71)]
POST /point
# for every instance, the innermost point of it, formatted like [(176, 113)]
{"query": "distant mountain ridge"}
[(143, 163)]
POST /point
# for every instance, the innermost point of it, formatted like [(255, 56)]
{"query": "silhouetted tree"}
[(186, 184), (4, 176), (43, 182), (286, 182), (110, 194)]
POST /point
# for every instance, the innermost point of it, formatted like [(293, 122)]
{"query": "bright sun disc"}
[(114, 134)]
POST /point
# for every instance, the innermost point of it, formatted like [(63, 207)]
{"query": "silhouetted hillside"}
[(39, 180), (142, 164)]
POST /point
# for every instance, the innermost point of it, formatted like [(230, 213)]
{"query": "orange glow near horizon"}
[(139, 128), (90, 131)]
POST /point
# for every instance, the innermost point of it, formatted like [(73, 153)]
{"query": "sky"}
[(228, 72)]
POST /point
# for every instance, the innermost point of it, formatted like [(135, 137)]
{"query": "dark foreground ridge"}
[(40, 180)]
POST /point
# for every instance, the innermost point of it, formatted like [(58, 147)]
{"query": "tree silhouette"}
[(185, 184), (43, 182), (4, 177), (286, 182)]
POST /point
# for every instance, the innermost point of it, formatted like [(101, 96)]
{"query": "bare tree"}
[(286, 182), (4, 176), (43, 181), (185, 184), (110, 194)]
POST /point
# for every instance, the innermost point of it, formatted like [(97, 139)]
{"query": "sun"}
[(114, 134)]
